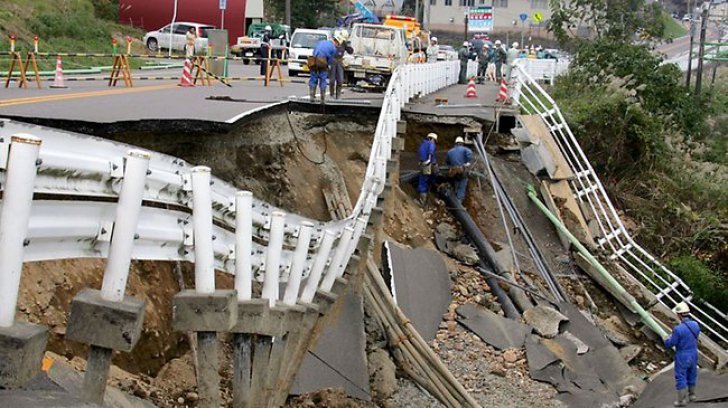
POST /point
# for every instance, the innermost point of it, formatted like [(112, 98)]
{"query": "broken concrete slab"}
[(339, 358), (420, 285), (539, 135), (494, 329), (581, 347), (581, 327), (660, 392), (630, 351), (545, 320)]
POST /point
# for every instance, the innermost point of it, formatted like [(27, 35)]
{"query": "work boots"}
[(422, 201), (338, 91), (691, 393), (312, 93), (682, 398), (323, 96)]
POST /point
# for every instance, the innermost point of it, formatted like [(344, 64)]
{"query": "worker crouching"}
[(684, 338)]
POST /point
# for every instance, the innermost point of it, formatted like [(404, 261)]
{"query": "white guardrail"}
[(545, 70), (668, 288), (78, 184)]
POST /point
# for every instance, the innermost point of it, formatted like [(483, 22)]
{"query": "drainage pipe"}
[(646, 317), (485, 250)]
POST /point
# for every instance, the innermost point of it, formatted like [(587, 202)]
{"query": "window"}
[(539, 4), (469, 3), (481, 1), (448, 2), (500, 3), (181, 29), (433, 2)]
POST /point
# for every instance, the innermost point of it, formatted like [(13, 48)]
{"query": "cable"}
[(339, 373), (298, 143)]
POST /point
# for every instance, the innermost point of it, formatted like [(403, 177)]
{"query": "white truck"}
[(378, 50), (302, 43)]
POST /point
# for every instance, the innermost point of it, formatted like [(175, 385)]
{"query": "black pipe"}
[(485, 250)]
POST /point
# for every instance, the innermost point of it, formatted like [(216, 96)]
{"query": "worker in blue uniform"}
[(319, 63), (684, 338), (459, 159), (428, 166)]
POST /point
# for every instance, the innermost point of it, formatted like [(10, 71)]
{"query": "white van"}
[(302, 43)]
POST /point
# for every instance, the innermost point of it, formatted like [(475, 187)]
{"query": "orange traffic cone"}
[(470, 92), (58, 78), (186, 79), (503, 92)]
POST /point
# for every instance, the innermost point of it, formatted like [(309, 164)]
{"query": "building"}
[(152, 15), (449, 15)]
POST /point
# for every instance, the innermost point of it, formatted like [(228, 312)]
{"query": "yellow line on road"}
[(51, 98)]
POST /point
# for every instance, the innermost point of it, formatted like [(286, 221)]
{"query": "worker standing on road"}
[(684, 338), (511, 58), (190, 37), (459, 159), (490, 68), (264, 50), (319, 63), (463, 56), (428, 166), (336, 74), (500, 58), (433, 50)]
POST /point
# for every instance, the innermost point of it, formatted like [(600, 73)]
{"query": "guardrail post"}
[(21, 344), (205, 310), (106, 319)]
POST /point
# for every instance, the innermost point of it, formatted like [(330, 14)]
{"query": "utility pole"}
[(466, 28), (288, 13), (690, 52), (701, 50), (417, 10)]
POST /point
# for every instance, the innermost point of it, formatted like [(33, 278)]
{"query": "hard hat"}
[(344, 34), (465, 44), (339, 38), (268, 28), (497, 42), (681, 308), (432, 136), (459, 139), (434, 39), (515, 45)]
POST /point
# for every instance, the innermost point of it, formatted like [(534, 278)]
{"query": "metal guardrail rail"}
[(79, 178), (615, 240)]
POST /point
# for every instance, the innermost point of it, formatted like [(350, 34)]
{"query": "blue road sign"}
[(223, 4), (523, 16)]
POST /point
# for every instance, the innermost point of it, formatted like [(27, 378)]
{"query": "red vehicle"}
[(151, 15)]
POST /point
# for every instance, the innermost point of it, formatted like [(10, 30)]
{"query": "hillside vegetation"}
[(64, 26)]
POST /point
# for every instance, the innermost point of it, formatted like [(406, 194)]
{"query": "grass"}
[(673, 29)]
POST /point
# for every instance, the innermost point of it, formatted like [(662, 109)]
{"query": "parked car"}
[(159, 39), (446, 53), (302, 43)]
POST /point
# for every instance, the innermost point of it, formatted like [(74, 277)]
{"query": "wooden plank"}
[(570, 212)]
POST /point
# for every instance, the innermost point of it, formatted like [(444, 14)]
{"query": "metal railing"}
[(80, 177), (614, 238), (543, 69)]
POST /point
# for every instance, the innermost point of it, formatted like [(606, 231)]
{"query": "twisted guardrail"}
[(614, 238)]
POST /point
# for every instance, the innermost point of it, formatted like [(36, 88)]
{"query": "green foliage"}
[(305, 14), (706, 284)]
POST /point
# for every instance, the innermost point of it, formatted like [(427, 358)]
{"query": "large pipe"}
[(202, 229), (484, 250), (646, 317)]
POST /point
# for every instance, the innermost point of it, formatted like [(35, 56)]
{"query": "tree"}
[(305, 13), (617, 20)]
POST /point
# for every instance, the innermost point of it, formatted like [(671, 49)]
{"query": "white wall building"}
[(449, 15)]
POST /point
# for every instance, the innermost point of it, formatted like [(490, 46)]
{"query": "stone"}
[(21, 351), (581, 347), (630, 351), (104, 323), (382, 373), (447, 231), (626, 400), (510, 355), (205, 312), (545, 320), (452, 326), (465, 254), (499, 371)]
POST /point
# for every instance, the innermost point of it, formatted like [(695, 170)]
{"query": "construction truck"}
[(248, 46), (378, 50), (417, 39)]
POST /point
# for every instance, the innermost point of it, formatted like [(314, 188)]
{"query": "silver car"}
[(158, 39)]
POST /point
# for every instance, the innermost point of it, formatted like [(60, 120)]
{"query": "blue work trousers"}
[(460, 185), (424, 182), (319, 78), (686, 369)]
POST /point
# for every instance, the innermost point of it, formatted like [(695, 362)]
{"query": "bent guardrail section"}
[(615, 240)]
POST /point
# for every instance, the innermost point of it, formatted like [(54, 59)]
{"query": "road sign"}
[(537, 17), (480, 19), (523, 17), (223, 4)]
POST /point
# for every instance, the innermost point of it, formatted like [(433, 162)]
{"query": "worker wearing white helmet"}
[(684, 338), (428, 166), (336, 70), (459, 159), (265, 50), (464, 55), (433, 50), (511, 57)]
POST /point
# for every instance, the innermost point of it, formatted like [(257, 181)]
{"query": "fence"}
[(614, 238), (545, 70)]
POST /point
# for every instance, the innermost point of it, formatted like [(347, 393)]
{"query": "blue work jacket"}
[(325, 49), (427, 150), (684, 337), (458, 156)]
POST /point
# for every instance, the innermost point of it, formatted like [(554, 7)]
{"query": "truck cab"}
[(378, 50)]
